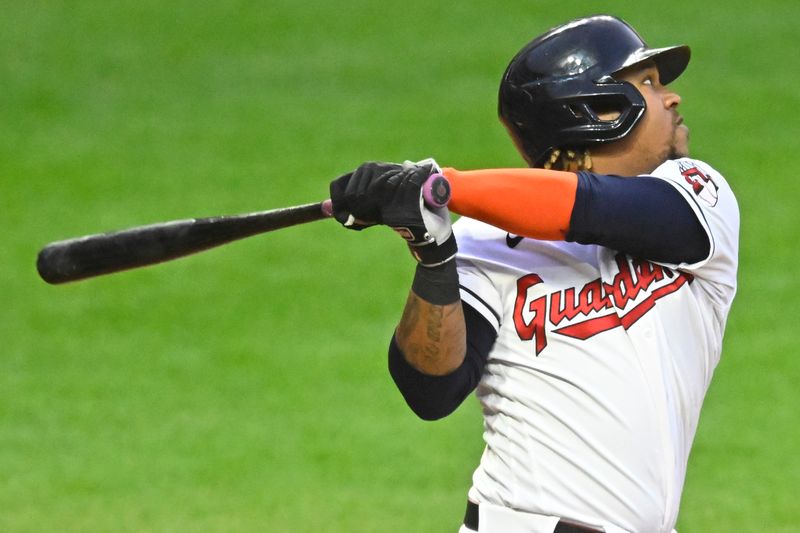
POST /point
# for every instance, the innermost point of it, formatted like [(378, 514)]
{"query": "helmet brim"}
[(670, 61)]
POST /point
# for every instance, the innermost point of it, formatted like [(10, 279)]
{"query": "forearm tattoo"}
[(427, 335)]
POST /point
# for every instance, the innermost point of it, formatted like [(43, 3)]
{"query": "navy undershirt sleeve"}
[(645, 217), (434, 397)]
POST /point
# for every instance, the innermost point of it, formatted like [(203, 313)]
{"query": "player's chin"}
[(680, 143)]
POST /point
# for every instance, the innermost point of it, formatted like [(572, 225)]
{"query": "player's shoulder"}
[(705, 183), (713, 202), (684, 167)]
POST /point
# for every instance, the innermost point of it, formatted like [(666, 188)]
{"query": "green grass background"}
[(244, 389)]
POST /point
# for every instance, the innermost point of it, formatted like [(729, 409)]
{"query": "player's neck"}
[(625, 158), (620, 165)]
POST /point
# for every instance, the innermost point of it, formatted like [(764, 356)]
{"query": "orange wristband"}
[(530, 202)]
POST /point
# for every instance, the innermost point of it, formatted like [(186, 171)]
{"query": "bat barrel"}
[(86, 257), (95, 255)]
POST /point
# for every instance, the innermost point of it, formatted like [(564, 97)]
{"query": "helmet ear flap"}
[(611, 108), (581, 112)]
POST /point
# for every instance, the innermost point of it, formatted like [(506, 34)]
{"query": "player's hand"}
[(391, 194), (352, 205)]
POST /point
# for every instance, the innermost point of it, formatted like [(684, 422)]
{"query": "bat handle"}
[(435, 193)]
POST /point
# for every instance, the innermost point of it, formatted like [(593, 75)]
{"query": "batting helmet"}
[(555, 88)]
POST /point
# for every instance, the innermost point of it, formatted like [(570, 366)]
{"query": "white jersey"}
[(592, 392)]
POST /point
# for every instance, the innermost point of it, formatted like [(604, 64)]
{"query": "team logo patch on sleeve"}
[(702, 185)]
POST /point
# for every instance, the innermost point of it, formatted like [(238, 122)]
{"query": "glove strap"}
[(432, 255)]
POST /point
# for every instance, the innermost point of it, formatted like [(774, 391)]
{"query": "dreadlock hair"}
[(569, 160)]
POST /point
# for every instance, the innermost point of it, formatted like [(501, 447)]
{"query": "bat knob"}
[(436, 191)]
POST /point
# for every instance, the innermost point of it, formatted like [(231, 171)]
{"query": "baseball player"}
[(583, 299)]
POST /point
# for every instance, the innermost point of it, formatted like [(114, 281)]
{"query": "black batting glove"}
[(391, 194), (351, 203)]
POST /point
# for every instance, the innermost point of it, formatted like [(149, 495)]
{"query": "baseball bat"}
[(105, 253)]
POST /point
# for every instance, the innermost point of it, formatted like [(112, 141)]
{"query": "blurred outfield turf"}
[(244, 389)]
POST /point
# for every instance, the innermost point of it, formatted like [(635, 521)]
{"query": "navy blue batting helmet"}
[(555, 88)]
